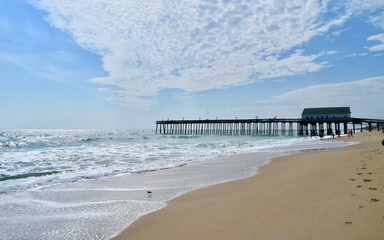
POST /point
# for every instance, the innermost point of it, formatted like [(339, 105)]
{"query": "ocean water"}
[(91, 184)]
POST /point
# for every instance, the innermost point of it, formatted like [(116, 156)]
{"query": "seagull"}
[(149, 193)]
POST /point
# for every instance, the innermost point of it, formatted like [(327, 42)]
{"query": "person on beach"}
[(321, 135)]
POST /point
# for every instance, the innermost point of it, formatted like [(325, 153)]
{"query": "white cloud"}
[(364, 5), (332, 52), (379, 47), (378, 20), (355, 55), (363, 96), (196, 45)]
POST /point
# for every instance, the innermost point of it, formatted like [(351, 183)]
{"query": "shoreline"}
[(332, 194)]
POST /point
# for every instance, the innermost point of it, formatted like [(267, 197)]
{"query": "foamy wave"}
[(91, 154)]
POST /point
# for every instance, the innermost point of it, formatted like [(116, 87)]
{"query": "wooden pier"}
[(270, 126)]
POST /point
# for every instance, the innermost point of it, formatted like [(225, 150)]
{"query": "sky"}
[(100, 64)]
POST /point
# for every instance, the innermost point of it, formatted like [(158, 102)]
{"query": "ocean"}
[(91, 184)]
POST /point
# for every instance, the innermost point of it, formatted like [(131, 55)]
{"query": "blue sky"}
[(126, 64)]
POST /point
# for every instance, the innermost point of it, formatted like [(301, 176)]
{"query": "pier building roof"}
[(327, 111)]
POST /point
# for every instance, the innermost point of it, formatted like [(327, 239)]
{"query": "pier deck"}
[(266, 126)]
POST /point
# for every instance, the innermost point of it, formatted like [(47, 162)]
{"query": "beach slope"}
[(336, 194)]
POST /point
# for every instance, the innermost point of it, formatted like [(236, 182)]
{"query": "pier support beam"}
[(345, 127)]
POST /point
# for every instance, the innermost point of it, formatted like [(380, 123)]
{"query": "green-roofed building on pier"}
[(326, 114)]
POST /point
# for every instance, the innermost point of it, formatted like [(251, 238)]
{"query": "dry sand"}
[(337, 194)]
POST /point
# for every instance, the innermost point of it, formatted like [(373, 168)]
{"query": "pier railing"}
[(267, 126)]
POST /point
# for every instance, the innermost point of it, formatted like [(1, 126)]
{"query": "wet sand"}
[(336, 194)]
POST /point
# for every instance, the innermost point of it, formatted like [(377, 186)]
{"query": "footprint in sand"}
[(360, 207), (375, 200), (363, 168), (358, 186), (367, 180), (372, 188), (348, 223), (359, 173), (352, 179), (369, 173)]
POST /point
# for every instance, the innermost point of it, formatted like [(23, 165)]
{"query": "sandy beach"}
[(335, 194)]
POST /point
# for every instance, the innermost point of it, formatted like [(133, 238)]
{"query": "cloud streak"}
[(48, 68), (364, 96), (147, 46)]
